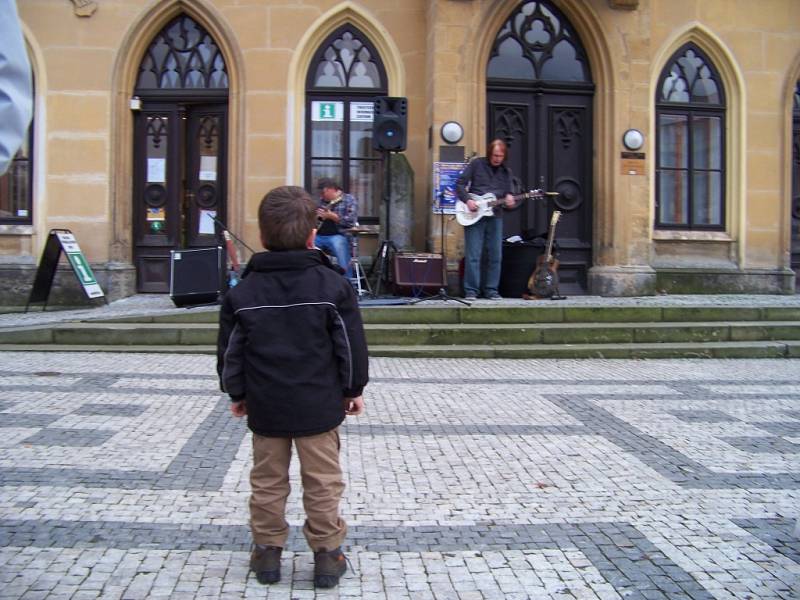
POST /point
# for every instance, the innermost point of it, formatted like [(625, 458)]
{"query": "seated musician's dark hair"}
[(328, 182)]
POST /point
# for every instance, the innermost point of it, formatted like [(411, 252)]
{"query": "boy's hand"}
[(238, 409), (354, 406)]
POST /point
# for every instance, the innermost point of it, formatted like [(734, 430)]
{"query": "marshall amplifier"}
[(196, 276), (414, 273)]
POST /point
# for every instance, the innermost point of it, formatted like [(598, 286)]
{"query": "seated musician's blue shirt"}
[(346, 209)]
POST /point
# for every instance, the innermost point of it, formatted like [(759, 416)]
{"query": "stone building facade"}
[(152, 116)]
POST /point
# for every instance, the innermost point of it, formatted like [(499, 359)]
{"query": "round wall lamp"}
[(633, 139), (452, 132)]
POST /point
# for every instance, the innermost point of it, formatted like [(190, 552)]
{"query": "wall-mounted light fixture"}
[(136, 103), (633, 139), (452, 132)]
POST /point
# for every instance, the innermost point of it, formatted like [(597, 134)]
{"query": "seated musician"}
[(337, 212)]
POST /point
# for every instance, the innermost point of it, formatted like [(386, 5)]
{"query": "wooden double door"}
[(179, 189), (549, 133)]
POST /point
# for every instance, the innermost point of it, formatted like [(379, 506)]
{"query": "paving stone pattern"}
[(126, 477)]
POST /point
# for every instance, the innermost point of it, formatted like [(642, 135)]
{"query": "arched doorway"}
[(795, 259), (539, 93), (180, 150)]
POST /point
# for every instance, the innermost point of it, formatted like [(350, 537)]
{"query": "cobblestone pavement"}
[(125, 477)]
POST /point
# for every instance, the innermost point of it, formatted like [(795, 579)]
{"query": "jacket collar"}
[(287, 260)]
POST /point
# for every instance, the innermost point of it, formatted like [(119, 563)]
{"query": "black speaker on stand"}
[(390, 120)]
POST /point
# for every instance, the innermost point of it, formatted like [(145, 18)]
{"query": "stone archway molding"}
[(619, 266), (735, 140), (327, 23), (29, 250)]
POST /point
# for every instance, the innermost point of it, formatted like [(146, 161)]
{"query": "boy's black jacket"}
[(291, 343)]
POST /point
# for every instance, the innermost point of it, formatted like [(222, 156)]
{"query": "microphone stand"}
[(442, 293), (233, 235)]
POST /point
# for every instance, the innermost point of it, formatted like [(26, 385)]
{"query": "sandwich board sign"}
[(59, 240)]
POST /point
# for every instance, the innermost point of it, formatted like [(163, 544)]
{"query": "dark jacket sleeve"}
[(463, 181), (230, 345), (350, 345)]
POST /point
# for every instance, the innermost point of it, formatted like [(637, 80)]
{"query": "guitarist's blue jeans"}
[(484, 236), (339, 246)]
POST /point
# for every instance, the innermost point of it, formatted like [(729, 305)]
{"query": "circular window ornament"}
[(452, 132), (633, 139)]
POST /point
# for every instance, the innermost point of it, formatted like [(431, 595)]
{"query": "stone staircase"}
[(491, 330)]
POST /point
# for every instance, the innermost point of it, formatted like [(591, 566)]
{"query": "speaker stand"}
[(383, 261), (442, 293)]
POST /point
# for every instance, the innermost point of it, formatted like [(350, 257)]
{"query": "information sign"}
[(362, 112), (327, 111), (59, 240)]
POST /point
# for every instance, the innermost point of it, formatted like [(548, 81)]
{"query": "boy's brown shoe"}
[(329, 566), (265, 562)]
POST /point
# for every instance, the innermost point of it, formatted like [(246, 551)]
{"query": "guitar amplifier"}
[(196, 276), (417, 272)]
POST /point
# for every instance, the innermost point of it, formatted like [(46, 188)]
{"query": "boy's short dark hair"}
[(328, 182), (286, 216)]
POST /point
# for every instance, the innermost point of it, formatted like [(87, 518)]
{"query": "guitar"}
[(233, 259), (487, 203), (333, 202), (543, 282)]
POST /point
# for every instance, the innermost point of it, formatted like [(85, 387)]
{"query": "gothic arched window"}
[(16, 185), (537, 43), (690, 143), (183, 56), (343, 78)]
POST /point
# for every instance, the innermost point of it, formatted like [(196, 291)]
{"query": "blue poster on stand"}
[(444, 186)]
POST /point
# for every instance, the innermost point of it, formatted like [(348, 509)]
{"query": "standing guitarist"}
[(337, 212), (485, 175)]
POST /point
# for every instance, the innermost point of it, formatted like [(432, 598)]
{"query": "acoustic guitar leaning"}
[(543, 282)]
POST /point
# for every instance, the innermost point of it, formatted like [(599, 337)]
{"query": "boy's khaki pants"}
[(322, 489)]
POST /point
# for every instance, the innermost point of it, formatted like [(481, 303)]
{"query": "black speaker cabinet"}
[(417, 272), (519, 262), (389, 124), (196, 276)]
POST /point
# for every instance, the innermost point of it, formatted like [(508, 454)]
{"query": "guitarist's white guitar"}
[(487, 203)]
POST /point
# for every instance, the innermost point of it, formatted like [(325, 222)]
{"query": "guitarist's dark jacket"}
[(480, 177), (291, 344)]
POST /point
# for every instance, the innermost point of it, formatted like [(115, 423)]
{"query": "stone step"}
[(579, 333), (753, 349), (416, 334), (533, 312)]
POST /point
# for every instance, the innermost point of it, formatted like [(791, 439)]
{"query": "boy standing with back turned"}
[(293, 357)]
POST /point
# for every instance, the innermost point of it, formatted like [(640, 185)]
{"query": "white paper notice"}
[(362, 111), (207, 222), (156, 170), (208, 168)]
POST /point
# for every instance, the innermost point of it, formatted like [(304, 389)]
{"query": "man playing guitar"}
[(482, 176), (337, 212)]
